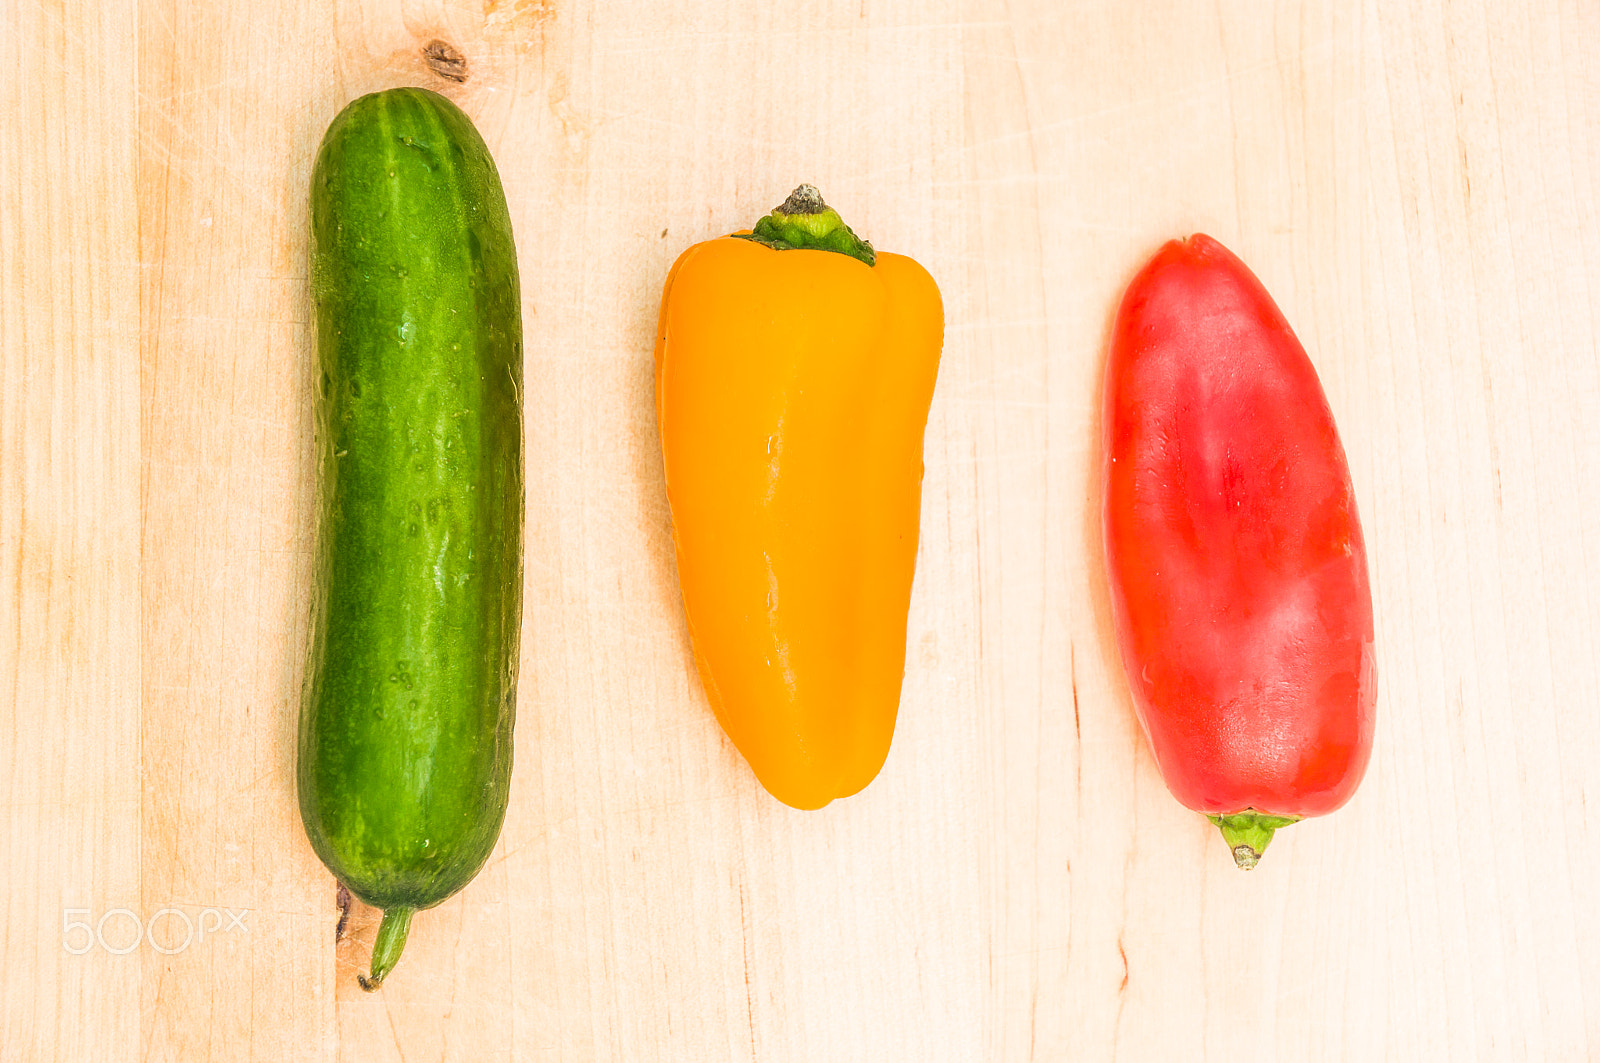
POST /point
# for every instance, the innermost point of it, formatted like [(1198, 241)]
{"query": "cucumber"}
[(405, 744)]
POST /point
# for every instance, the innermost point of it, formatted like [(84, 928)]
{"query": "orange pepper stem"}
[(1247, 834), (804, 221)]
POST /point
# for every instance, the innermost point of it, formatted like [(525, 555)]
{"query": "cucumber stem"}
[(805, 222), (388, 945), (1247, 834)]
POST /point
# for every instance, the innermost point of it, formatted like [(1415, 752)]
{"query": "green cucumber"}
[(404, 759)]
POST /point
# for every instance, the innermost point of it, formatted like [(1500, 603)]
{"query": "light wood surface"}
[(1418, 185)]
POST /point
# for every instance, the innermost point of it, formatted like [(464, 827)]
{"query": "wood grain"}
[(70, 843), (1417, 184)]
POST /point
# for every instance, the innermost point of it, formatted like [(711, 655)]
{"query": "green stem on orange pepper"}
[(804, 221)]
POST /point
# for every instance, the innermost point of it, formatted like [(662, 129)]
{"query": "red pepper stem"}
[(388, 945), (805, 222), (1247, 834)]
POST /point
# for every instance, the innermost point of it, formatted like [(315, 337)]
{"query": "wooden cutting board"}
[(1418, 185)]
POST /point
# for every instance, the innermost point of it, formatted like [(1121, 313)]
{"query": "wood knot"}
[(446, 60)]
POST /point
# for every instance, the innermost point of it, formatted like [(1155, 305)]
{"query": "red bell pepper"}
[(1237, 569)]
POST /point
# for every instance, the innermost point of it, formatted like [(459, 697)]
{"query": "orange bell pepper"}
[(794, 368)]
